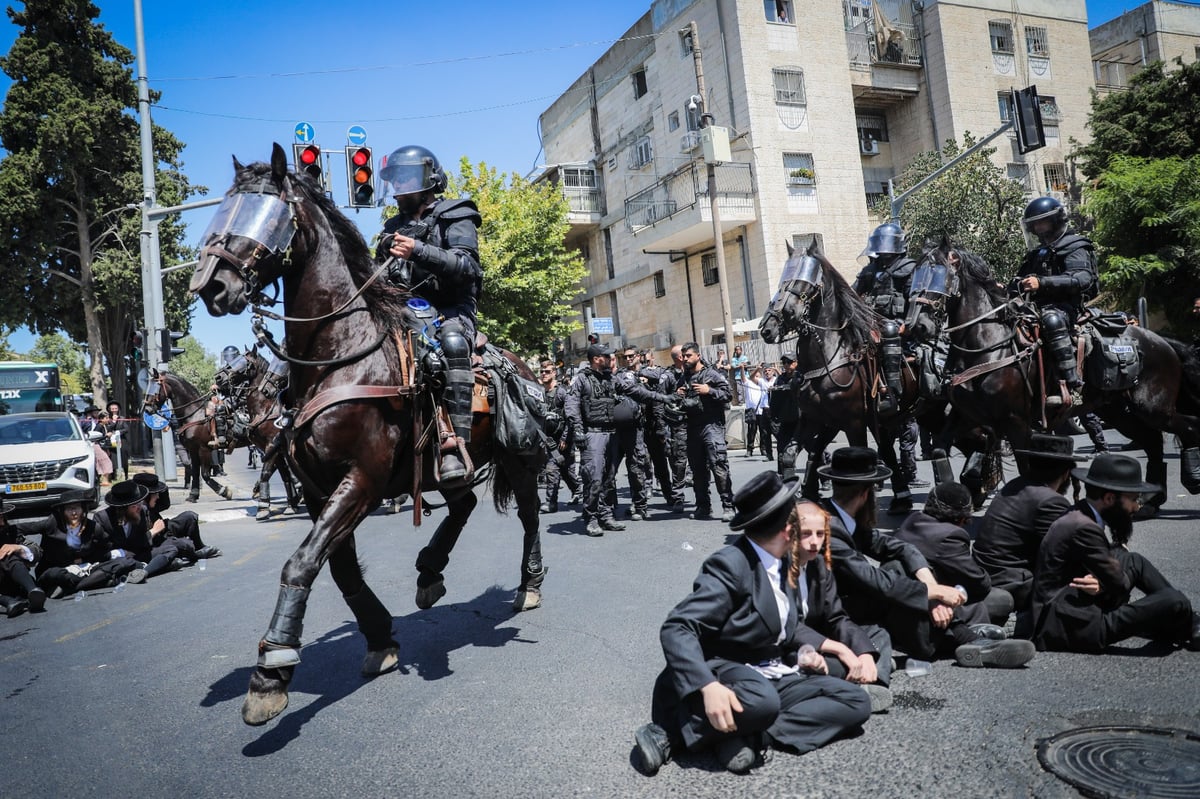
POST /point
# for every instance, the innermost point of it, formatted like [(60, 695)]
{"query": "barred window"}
[(1036, 41), (660, 284), (789, 86), (1004, 100), (1056, 177), (799, 169), (708, 268), (872, 127), (1001, 33)]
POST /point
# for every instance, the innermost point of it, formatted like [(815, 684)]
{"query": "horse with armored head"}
[(362, 420)]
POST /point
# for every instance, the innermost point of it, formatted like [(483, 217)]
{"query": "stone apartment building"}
[(1155, 31), (822, 108)]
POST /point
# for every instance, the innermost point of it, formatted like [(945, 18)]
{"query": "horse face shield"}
[(264, 219), (932, 284), (801, 281)]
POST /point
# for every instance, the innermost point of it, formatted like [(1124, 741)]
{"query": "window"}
[(1001, 34), (672, 121), (1036, 42), (1004, 100), (872, 127), (585, 252), (798, 168), (779, 11), (708, 268), (641, 153), (685, 43), (660, 283), (639, 83), (1056, 177), (1050, 110), (801, 241), (789, 86), (1020, 173)]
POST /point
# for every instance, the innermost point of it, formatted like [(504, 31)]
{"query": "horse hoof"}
[(267, 696), (428, 597), (254, 494), (381, 661), (527, 600), (227, 493)]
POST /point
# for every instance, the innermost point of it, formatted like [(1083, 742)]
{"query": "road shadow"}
[(330, 670)]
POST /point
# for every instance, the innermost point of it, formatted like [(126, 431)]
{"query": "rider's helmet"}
[(412, 169), (887, 239), (230, 354), (1045, 208)]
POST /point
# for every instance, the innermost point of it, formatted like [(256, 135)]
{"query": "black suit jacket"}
[(865, 589), (137, 543), (826, 618), (1012, 530), (95, 544), (947, 547), (1066, 618), (730, 615)]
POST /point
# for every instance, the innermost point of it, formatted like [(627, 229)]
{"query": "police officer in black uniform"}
[(560, 447), (705, 393), (657, 435), (1060, 274), (785, 411), (436, 243), (676, 420)]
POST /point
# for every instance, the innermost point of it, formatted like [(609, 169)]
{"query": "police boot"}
[(891, 359), (1062, 351), (460, 383)]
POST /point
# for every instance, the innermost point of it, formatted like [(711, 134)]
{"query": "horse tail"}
[(502, 490), (1189, 384)]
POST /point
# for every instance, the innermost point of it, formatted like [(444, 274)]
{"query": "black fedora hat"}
[(150, 481), (1119, 473), (125, 493), (77, 497), (1044, 446), (855, 465), (764, 496)]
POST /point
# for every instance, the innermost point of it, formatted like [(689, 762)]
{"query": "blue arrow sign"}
[(305, 132), (356, 135)]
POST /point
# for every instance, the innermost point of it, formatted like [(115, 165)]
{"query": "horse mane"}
[(977, 270), (183, 393), (861, 320), (385, 301)]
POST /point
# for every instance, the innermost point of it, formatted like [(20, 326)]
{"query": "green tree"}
[(1158, 117), (56, 348), (72, 167), (196, 365), (1147, 232), (6, 350), (975, 204)]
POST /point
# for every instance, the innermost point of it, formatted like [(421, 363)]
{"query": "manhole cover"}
[(1125, 761)]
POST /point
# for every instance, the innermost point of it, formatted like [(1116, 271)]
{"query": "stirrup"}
[(455, 446)]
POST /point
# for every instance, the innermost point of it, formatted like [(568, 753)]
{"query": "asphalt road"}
[(137, 693)]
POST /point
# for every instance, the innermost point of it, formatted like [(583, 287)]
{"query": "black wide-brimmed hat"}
[(1044, 446), (1112, 472), (125, 493), (855, 465), (150, 481), (764, 497), (76, 497)]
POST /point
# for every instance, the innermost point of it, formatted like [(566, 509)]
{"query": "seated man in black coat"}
[(1082, 583), (1007, 543), (922, 615), (939, 532), (18, 592), (733, 680)]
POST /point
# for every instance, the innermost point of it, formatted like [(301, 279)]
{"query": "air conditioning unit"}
[(868, 146), (689, 141)]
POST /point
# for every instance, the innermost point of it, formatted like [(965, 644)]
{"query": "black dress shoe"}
[(702, 514), (16, 607), (208, 552), (1009, 654), (37, 600), (654, 747), (735, 754), (990, 631)]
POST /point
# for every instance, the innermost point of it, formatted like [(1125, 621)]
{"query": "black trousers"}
[(883, 665), (707, 455), (1163, 614), (800, 712)]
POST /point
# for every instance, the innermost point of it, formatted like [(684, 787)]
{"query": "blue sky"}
[(464, 79)]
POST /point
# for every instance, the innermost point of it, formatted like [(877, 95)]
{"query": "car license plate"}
[(16, 488)]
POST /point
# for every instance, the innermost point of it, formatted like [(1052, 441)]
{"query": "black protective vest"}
[(597, 406)]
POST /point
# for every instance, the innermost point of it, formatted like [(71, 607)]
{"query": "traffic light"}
[(360, 177), (167, 348), (308, 161), (1028, 120)]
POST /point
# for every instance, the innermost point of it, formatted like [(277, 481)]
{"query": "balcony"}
[(885, 62), (675, 213), (581, 190)]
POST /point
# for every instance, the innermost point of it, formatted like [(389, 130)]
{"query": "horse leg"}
[(432, 560), (533, 571), (374, 620), (279, 649), (263, 487), (815, 441), (902, 502), (194, 475)]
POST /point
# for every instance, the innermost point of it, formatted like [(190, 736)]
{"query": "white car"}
[(42, 456)]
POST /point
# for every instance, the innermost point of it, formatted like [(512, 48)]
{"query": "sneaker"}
[(548, 507), (726, 514), (735, 754), (136, 576), (638, 515), (653, 746), (880, 696), (611, 524), (1008, 654), (37, 600), (593, 529)]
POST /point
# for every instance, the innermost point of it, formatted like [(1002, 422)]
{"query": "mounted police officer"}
[(436, 243), (1060, 273), (884, 283)]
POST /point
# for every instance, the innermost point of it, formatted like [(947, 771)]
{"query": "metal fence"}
[(682, 189)]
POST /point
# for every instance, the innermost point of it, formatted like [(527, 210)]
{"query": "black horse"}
[(251, 389), (836, 353), (192, 429), (361, 418), (999, 382)]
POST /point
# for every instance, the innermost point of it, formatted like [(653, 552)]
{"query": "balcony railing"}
[(897, 45), (682, 189), (582, 200)]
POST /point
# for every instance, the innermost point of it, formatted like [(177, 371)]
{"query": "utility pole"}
[(713, 138)]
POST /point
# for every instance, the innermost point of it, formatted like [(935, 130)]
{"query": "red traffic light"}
[(360, 177), (307, 158), (361, 156), (310, 155)]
